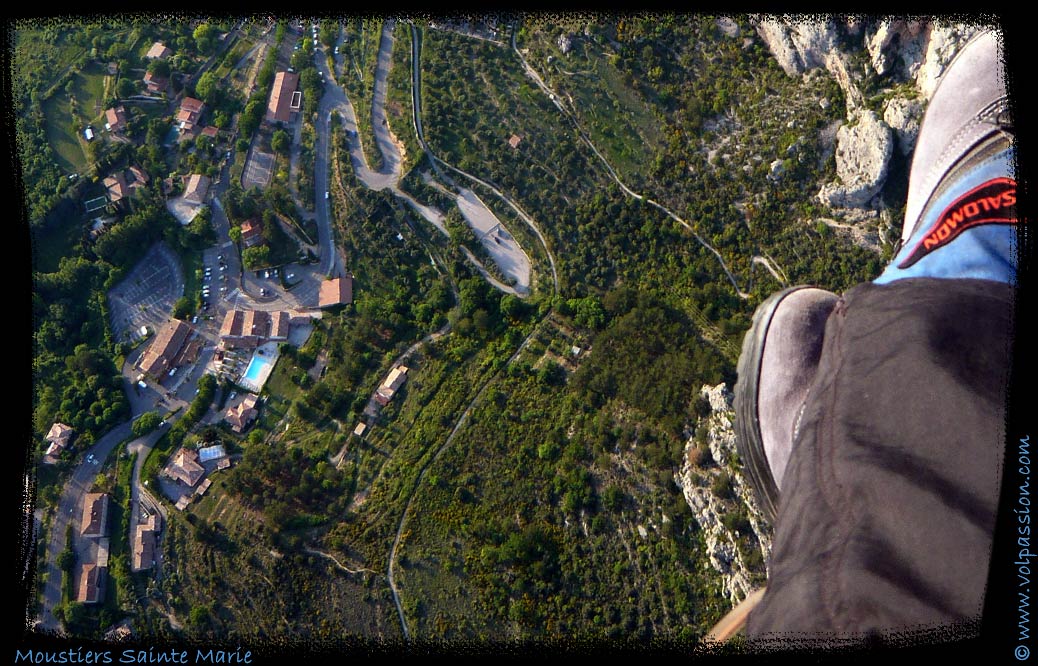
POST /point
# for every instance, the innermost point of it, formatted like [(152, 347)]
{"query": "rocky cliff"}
[(887, 71), (727, 546)]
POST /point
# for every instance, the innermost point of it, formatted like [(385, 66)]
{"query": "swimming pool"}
[(256, 366), (258, 370)]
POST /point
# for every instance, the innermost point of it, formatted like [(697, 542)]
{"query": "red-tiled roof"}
[(336, 292), (279, 106)]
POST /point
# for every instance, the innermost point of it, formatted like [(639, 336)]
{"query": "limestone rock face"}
[(900, 51), (565, 43), (775, 34), (710, 510), (862, 153), (896, 48), (903, 116)]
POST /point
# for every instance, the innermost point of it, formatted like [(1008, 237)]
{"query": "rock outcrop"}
[(709, 510), (903, 115), (862, 152), (900, 50)]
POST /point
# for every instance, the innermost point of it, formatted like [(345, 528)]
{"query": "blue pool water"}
[(256, 365)]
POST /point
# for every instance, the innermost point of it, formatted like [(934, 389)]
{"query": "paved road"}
[(70, 508)]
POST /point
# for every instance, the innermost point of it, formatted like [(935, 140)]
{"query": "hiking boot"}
[(962, 185), (966, 120), (777, 365)]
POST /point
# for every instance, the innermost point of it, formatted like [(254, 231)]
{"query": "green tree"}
[(182, 308), (159, 67), (256, 257), (126, 87), (280, 142), (250, 118), (208, 88), (147, 422), (205, 37)]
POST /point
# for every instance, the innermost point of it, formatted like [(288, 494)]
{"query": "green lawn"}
[(89, 88), (60, 134)]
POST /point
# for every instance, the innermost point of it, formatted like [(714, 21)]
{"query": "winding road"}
[(388, 176)]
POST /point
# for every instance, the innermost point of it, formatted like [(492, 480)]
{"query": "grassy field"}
[(89, 88), (67, 115), (65, 140)]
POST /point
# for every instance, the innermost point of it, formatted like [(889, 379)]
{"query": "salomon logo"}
[(994, 202)]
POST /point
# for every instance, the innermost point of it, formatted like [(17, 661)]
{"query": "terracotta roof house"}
[(514, 141), (140, 178), (158, 359), (336, 292), (91, 583), (57, 439), (59, 434), (158, 50), (115, 119), (95, 515), (242, 415), (184, 467), (144, 543), (196, 188), (190, 111), (155, 84), (210, 131), (116, 186), (248, 328), (252, 232), (279, 324), (279, 108), (392, 383)]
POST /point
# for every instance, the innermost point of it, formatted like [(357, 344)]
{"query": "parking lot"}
[(146, 296), (507, 253)]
